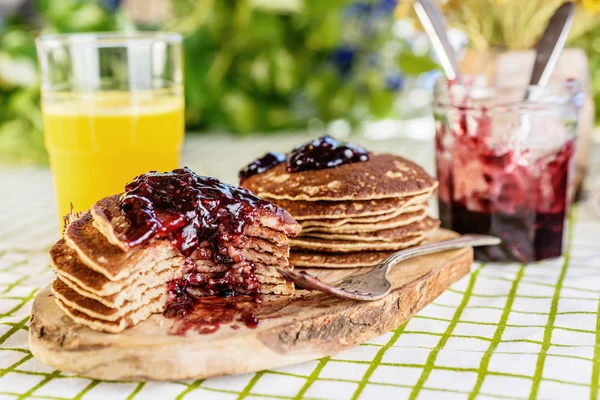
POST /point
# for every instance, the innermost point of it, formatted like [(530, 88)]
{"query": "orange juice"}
[(99, 142)]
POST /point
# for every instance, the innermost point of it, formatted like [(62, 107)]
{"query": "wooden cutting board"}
[(307, 326)]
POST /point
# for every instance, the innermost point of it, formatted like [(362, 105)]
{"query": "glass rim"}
[(105, 39), (569, 91), (567, 83)]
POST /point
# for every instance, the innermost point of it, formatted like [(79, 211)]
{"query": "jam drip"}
[(261, 165), (205, 315), (239, 279), (324, 152)]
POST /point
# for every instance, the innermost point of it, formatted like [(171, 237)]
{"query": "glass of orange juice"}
[(112, 108)]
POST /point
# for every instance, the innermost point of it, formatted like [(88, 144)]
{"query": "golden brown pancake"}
[(400, 220), (127, 321), (97, 253), (69, 268), (341, 260), (352, 246), (330, 210), (383, 176), (332, 223), (416, 228), (88, 282), (96, 309)]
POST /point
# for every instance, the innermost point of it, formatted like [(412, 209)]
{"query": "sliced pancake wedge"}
[(73, 272), (116, 264), (109, 220), (199, 237)]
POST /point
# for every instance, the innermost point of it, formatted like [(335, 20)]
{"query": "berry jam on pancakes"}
[(321, 153), (188, 209), (324, 152), (262, 164)]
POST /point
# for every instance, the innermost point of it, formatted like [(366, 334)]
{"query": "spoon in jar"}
[(550, 46), (434, 24), (374, 285)]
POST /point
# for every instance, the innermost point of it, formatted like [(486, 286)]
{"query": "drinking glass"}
[(112, 109), (504, 165)]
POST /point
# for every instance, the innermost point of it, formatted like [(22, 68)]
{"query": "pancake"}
[(98, 254), (341, 260), (427, 224), (332, 223), (73, 272), (273, 225), (382, 176), (88, 282), (234, 245), (319, 210), (400, 220), (352, 246), (96, 309), (129, 320)]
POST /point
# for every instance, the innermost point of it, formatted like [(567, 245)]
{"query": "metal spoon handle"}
[(433, 22), (457, 243), (551, 45)]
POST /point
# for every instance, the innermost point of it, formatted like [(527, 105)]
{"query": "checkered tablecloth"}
[(503, 331)]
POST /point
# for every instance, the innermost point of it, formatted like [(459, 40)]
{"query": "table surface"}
[(503, 331)]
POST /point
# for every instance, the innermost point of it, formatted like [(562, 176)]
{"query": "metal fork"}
[(374, 285)]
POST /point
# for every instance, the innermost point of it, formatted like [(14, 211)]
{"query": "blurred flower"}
[(394, 82), (387, 6), (591, 6), (358, 9), (506, 23), (343, 59), (111, 5), (404, 8)]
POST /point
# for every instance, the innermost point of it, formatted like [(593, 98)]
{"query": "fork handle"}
[(450, 244)]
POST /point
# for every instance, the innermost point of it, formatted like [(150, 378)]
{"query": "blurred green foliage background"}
[(250, 66)]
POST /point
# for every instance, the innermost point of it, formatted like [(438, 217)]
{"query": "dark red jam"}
[(324, 152), (188, 209), (206, 315), (238, 279), (514, 194), (204, 218), (261, 165)]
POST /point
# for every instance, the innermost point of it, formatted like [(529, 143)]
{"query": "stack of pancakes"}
[(352, 215), (103, 284)]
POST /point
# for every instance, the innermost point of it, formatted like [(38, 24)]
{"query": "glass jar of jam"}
[(504, 164)]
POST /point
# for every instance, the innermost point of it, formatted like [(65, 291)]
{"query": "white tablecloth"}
[(503, 331)]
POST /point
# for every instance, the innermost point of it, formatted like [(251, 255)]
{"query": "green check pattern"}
[(506, 331)]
